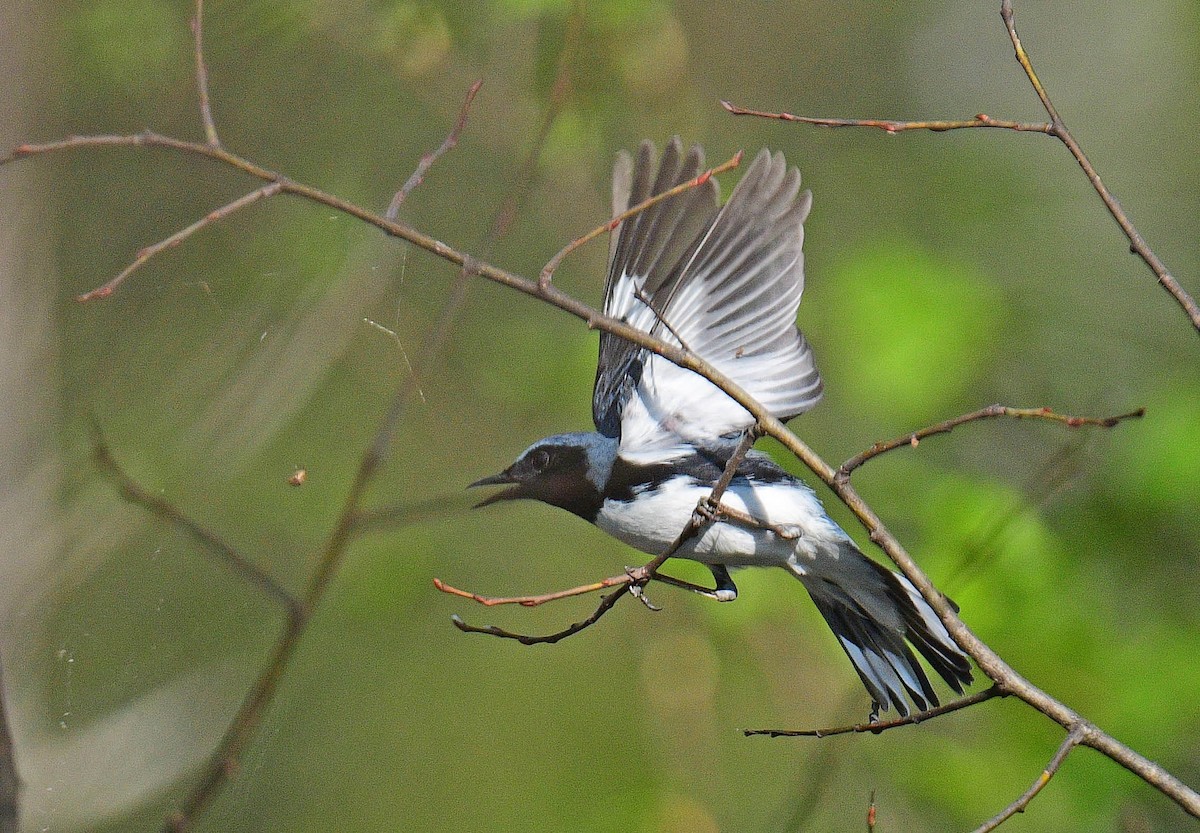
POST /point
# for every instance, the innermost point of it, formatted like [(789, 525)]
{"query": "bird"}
[(724, 281)]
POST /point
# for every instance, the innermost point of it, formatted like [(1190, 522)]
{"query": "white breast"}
[(655, 517)]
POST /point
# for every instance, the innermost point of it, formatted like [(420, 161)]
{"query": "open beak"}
[(501, 479)]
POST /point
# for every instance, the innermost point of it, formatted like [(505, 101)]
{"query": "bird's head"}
[(566, 470)]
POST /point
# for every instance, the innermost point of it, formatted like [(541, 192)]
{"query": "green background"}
[(945, 272)]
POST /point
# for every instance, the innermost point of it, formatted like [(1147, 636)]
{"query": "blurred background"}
[(945, 272)]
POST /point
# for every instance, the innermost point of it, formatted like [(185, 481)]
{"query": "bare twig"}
[(606, 604), (228, 555), (178, 237), (882, 725), (990, 412), (554, 262), (894, 126), (536, 600), (1074, 738), (1056, 127), (206, 117), (1136, 242), (871, 814), (449, 143)]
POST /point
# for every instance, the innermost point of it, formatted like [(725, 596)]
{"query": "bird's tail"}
[(876, 615)]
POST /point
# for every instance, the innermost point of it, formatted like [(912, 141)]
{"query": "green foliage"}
[(921, 328)]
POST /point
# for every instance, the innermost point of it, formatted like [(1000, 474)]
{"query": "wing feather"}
[(724, 282)]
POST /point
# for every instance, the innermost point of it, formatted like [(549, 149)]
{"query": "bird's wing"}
[(723, 282)]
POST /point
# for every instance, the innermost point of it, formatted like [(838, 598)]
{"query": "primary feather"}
[(721, 281)]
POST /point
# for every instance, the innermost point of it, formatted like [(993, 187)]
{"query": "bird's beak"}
[(502, 479)]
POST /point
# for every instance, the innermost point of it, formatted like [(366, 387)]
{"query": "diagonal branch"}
[(104, 290), (990, 412), (1136, 242), (1074, 738), (237, 563), (449, 143), (554, 262), (1056, 127)]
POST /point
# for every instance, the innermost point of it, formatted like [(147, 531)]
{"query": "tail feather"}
[(876, 614)]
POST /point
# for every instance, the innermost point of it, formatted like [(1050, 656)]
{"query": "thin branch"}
[(206, 117), (1056, 128), (606, 604), (1136, 242), (536, 600), (871, 814), (893, 126), (449, 143), (178, 237), (554, 262), (990, 412), (1073, 739), (237, 563), (882, 725)]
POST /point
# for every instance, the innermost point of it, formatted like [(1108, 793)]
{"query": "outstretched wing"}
[(723, 282)]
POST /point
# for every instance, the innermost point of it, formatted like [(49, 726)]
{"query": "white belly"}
[(653, 520)]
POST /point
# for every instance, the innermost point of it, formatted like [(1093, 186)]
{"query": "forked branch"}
[(1056, 127)]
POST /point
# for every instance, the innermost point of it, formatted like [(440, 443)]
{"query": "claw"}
[(638, 593)]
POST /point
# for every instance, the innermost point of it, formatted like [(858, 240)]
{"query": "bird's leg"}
[(636, 587), (726, 590)]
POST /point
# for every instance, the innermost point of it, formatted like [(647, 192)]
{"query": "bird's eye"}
[(539, 459)]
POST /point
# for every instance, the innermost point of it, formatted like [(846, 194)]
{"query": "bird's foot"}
[(707, 510), (639, 593), (726, 590)]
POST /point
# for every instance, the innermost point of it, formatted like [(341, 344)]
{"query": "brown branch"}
[(449, 143), (893, 126), (882, 725), (606, 604), (536, 600), (554, 262), (1056, 128), (1136, 242), (1074, 738), (206, 117), (237, 563), (990, 412), (178, 237)]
